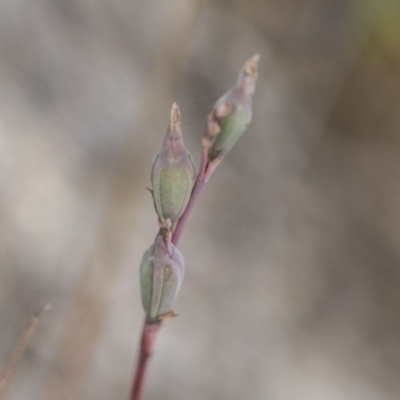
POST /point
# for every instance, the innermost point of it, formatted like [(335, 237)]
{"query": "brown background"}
[(293, 252)]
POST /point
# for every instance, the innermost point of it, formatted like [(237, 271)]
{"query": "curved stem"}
[(199, 184), (150, 328), (149, 335)]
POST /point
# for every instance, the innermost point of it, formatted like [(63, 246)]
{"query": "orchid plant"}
[(175, 189)]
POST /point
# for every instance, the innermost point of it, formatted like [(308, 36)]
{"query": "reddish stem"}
[(150, 329), (199, 184), (149, 334)]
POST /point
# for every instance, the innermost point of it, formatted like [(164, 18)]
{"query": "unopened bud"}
[(161, 274), (231, 114), (173, 173)]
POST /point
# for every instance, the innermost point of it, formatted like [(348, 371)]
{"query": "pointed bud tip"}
[(251, 66), (175, 117)]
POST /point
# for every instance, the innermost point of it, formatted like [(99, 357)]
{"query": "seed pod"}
[(161, 274), (173, 173), (231, 114)]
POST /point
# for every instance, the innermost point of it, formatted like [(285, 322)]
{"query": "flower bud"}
[(173, 173), (161, 274), (231, 114)]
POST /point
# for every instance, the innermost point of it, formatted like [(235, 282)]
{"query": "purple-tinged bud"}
[(231, 114), (173, 173), (161, 274)]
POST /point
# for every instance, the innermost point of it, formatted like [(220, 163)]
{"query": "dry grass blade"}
[(19, 349)]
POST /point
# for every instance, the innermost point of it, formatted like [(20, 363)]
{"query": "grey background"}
[(292, 253)]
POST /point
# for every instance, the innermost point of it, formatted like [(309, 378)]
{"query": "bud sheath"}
[(173, 173), (161, 274), (231, 114)]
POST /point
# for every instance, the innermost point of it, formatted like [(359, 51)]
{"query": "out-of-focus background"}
[(292, 289)]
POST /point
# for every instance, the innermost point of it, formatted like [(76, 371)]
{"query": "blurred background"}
[(292, 286)]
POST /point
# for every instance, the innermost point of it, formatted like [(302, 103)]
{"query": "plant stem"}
[(149, 335), (199, 184), (237, 100), (150, 329)]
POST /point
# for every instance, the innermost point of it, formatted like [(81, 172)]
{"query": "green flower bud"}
[(231, 114), (161, 274), (173, 173)]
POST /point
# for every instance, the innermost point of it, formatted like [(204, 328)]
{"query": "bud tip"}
[(250, 67), (175, 118)]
